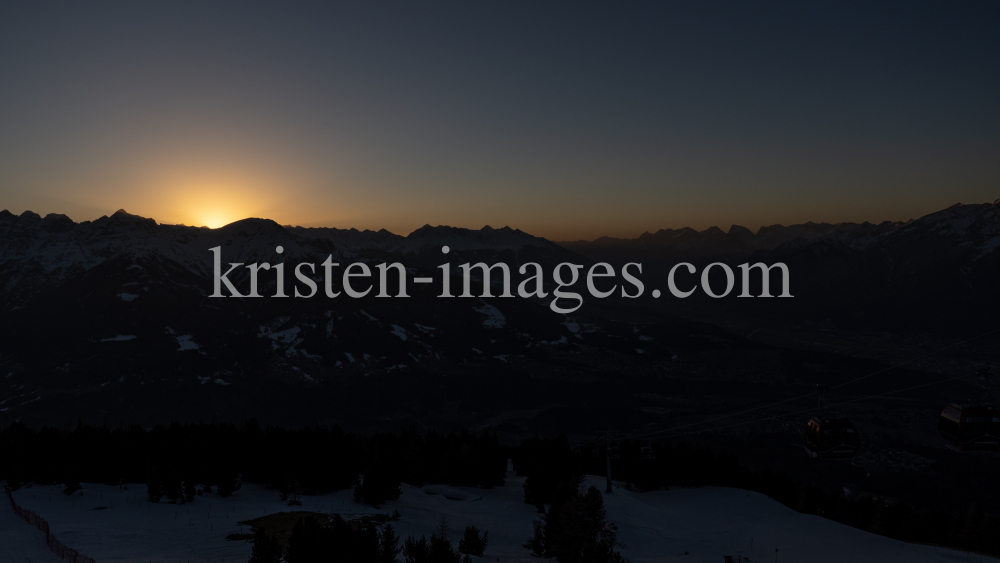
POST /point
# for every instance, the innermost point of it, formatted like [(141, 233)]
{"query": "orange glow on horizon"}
[(215, 207), (214, 220), (209, 200)]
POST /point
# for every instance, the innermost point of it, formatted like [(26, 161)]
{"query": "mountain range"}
[(936, 274), (968, 225), (111, 318)]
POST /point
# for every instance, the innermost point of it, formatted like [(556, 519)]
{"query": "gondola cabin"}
[(832, 438), (970, 428)]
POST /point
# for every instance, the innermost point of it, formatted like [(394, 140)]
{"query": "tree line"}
[(340, 541), (308, 461)]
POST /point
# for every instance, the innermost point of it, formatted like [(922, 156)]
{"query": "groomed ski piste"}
[(691, 525)]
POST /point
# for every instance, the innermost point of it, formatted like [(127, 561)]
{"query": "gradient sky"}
[(564, 120)]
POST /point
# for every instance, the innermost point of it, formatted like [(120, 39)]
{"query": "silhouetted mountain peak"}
[(460, 238), (445, 230), (739, 231), (253, 225), (57, 222), (122, 217), (770, 229)]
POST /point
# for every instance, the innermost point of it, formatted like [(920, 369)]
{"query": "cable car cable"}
[(911, 360), (894, 366), (810, 409)]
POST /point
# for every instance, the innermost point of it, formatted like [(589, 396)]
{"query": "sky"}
[(566, 120)]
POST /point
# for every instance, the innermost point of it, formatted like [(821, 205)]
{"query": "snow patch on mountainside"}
[(399, 331), (186, 343), (119, 338), (495, 318)]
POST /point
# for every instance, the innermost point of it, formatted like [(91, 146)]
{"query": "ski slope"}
[(689, 525), (21, 542)]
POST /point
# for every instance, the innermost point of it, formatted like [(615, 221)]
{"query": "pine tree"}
[(602, 549), (416, 551), (537, 542), (154, 489), (265, 548), (388, 545), (440, 549), (285, 489), (576, 531), (304, 544), (228, 483), (365, 546), (295, 496), (443, 528), (359, 491), (472, 543), (189, 490), (72, 486), (172, 486)]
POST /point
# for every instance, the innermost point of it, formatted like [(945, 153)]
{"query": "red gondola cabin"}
[(970, 428), (832, 438)]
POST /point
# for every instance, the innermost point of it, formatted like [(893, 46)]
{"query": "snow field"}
[(116, 526), (21, 542)]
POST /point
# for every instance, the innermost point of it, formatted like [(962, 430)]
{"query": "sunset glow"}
[(215, 220), (376, 126), (209, 199)]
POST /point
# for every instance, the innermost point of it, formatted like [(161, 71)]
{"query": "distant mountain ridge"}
[(425, 237), (738, 240), (974, 224), (37, 252)]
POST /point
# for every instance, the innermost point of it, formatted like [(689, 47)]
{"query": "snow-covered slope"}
[(690, 525), (19, 541)]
